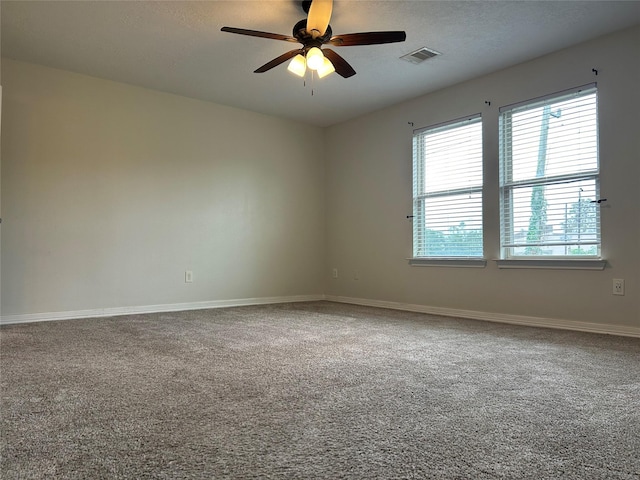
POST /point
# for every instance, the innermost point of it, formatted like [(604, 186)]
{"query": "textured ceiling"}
[(177, 47)]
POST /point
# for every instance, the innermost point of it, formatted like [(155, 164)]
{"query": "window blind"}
[(447, 190), (549, 176)]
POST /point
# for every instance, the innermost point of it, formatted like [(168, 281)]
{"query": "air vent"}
[(420, 55)]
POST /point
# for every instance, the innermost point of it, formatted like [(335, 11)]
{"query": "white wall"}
[(369, 195), (110, 192)]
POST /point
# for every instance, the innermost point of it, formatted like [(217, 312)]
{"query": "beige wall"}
[(110, 192), (369, 195)]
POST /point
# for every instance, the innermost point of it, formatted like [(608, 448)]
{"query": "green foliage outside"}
[(581, 220), (538, 220), (457, 242)]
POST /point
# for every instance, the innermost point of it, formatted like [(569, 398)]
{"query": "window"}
[(549, 186), (447, 190)]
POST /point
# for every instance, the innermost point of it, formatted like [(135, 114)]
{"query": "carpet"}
[(315, 390)]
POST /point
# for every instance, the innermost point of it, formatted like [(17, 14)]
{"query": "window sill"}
[(448, 262), (555, 263)]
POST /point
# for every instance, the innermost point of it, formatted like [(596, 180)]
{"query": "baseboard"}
[(447, 312), (171, 307), (495, 317)]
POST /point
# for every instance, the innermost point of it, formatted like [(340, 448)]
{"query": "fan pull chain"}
[(312, 72), (304, 82)]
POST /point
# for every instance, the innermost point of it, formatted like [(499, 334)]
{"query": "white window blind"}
[(549, 176), (447, 190)]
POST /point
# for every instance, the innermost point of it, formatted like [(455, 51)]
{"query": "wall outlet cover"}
[(618, 286)]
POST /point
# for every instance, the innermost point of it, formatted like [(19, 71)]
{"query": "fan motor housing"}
[(301, 34)]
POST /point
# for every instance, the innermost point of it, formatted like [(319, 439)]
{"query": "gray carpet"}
[(315, 390)]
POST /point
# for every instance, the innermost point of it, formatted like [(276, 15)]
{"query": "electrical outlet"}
[(356, 275), (618, 286), (334, 273), (188, 276)]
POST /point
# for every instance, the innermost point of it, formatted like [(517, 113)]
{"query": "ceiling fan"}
[(313, 32)]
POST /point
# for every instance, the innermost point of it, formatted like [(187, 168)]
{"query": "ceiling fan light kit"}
[(315, 58), (314, 32), (326, 68), (298, 65)]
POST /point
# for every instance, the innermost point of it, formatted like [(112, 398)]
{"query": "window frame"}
[(419, 196), (507, 186)]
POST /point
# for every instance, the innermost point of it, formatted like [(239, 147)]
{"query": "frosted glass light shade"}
[(315, 58), (326, 68), (298, 65)]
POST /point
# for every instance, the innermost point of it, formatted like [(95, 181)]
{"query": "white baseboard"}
[(447, 312), (171, 307), (620, 330)]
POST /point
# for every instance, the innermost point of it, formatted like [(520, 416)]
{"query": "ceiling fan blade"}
[(277, 61), (255, 33), (367, 38), (319, 16), (340, 64)]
